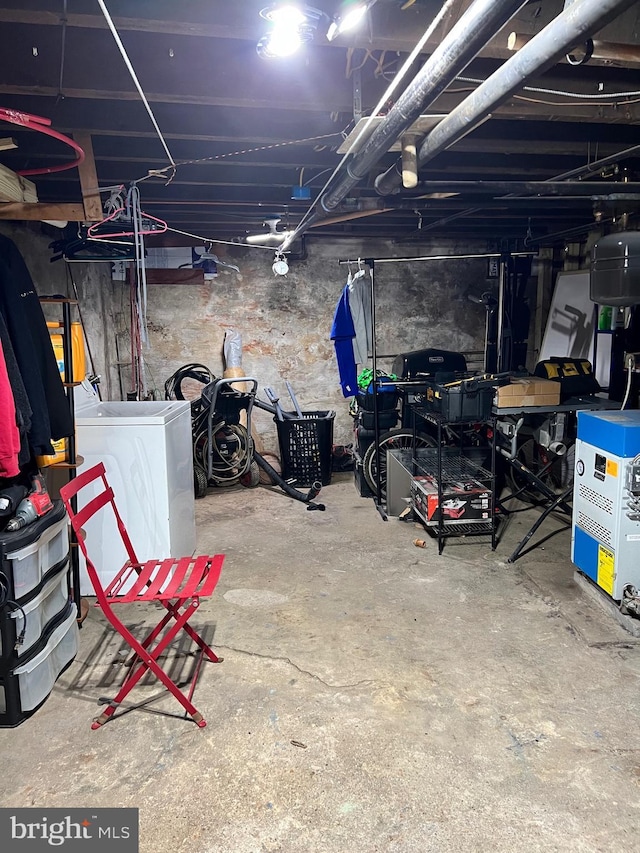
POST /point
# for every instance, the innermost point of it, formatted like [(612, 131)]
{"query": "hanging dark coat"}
[(22, 313)]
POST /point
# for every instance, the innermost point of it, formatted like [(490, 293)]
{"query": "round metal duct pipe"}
[(615, 269)]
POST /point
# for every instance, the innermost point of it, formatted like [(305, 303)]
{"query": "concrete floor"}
[(373, 697)]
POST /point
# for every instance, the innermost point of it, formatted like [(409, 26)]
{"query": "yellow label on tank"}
[(612, 468), (606, 565)]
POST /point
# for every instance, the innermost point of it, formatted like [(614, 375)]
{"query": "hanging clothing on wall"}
[(20, 397), (342, 335), (360, 307), (25, 322), (9, 433)]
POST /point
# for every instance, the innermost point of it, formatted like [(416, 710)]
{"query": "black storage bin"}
[(387, 399), (306, 445), (464, 401), (387, 419)]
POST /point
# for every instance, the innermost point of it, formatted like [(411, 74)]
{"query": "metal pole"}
[(537, 188), (72, 459), (475, 28), (343, 261), (370, 262), (500, 335), (547, 47)]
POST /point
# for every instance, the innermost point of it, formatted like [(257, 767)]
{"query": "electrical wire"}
[(601, 96), (5, 601), (63, 43), (629, 366), (136, 82), (160, 173), (219, 242)]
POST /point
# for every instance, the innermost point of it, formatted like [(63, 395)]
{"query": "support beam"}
[(19, 210), (542, 188), (89, 180), (613, 53)]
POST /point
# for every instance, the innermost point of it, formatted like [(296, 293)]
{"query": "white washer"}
[(147, 451)]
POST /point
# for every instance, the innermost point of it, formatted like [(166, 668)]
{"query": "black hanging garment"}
[(31, 342)]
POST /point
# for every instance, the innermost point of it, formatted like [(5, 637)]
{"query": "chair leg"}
[(148, 662), (173, 606), (173, 610)]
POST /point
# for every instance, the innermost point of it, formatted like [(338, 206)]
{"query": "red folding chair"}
[(177, 584)]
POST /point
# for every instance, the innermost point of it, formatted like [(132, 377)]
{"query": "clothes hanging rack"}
[(371, 263), (436, 258)]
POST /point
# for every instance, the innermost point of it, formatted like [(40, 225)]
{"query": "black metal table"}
[(509, 422)]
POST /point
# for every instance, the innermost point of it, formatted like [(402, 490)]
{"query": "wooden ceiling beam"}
[(41, 211), (520, 107), (89, 180), (277, 102), (391, 28)]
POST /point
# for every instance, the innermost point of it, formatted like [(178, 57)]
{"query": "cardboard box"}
[(470, 502), (528, 391)]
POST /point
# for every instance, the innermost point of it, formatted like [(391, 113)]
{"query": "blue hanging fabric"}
[(342, 335)]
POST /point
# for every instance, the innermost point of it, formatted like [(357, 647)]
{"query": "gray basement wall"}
[(284, 321)]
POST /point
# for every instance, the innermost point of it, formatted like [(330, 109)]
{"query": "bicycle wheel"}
[(394, 439)]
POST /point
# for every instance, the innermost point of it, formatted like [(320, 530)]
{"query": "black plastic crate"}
[(306, 445), (464, 401), (387, 399)]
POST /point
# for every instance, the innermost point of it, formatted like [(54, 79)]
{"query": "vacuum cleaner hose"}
[(314, 491), (288, 489)]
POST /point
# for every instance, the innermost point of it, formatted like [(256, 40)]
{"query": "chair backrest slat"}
[(70, 490), (95, 504)]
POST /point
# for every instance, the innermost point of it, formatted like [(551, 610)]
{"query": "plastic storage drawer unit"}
[(31, 552), (37, 675), (40, 610)]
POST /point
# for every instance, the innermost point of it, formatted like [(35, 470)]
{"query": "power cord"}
[(629, 364), (5, 601)]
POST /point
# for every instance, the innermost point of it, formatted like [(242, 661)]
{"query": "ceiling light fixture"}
[(292, 26), (350, 14), (280, 265)]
